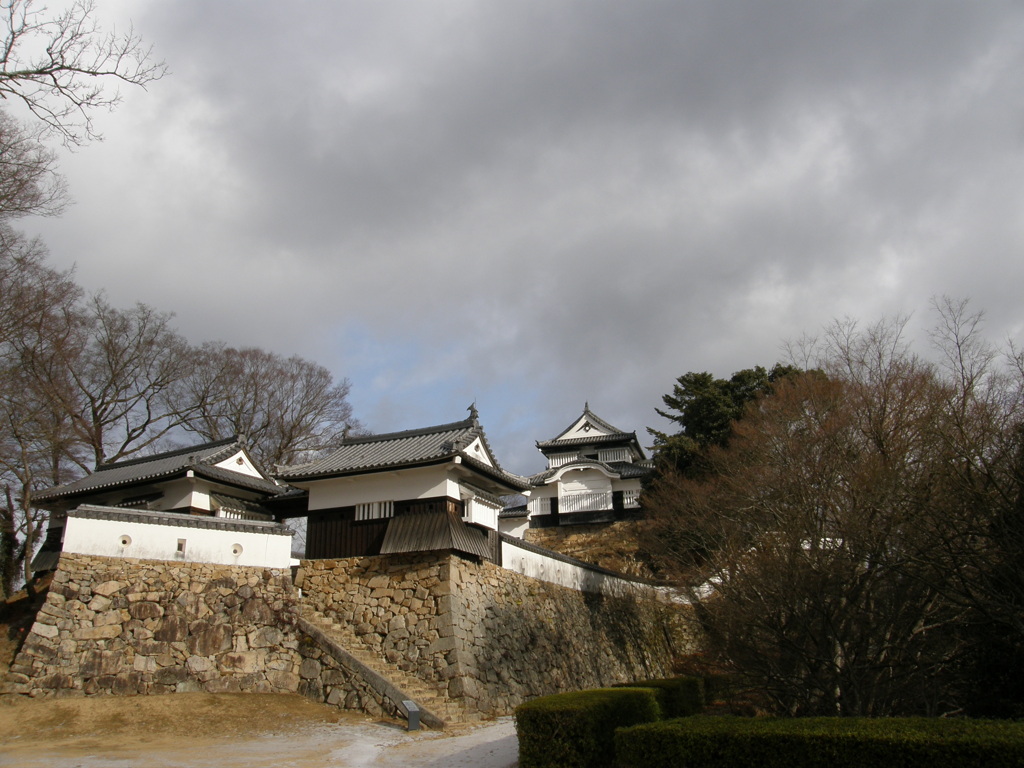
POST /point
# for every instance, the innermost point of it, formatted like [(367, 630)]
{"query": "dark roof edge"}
[(464, 424), (97, 512), (169, 454), (329, 473), (613, 437)]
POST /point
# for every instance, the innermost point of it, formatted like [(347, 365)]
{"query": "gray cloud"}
[(535, 204)]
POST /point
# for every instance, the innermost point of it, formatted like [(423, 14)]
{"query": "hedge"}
[(678, 696), (714, 742), (577, 730)]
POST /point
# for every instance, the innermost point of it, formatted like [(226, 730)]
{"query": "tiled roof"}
[(624, 469), (413, 447), (618, 437), (513, 512), (613, 434), (95, 511), (593, 418), (198, 458), (433, 531)]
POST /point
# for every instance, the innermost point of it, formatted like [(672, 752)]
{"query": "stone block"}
[(145, 610), (99, 603), (45, 630), (248, 662), (97, 633), (441, 645), (209, 641), (309, 669), (256, 611), (100, 663), (284, 681), (107, 617), (172, 629), (107, 588), (171, 676), (266, 637), (199, 664)]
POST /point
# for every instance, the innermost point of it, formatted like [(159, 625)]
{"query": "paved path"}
[(347, 744)]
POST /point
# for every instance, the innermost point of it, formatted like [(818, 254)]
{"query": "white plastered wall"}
[(398, 485), (117, 538), (514, 526), (557, 571), (477, 450), (240, 463)]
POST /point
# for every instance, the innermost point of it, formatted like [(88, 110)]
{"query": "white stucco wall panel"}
[(478, 451), (240, 463), (557, 571), (88, 536), (514, 526), (399, 485)]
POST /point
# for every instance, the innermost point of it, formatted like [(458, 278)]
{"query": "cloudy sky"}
[(534, 204)]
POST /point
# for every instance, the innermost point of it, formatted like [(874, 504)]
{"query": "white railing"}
[(631, 499), (238, 514), (540, 506), (585, 501), (613, 454), (559, 459)]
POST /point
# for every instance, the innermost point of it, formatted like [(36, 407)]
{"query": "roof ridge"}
[(450, 427), (167, 454), (587, 412)]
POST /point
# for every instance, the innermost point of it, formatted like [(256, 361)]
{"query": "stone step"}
[(427, 697)]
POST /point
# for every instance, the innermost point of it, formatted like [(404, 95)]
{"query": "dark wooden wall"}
[(337, 533)]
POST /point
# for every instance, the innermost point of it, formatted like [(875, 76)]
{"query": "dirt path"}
[(229, 731)]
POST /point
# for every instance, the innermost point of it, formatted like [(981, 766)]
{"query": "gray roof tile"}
[(624, 469), (413, 447), (162, 466)]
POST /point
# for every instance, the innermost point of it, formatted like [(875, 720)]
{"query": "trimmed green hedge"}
[(577, 730), (678, 696), (714, 742)]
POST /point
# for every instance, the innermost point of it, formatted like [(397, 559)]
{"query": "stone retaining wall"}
[(609, 545), (490, 637), (480, 634), (127, 626), (112, 625)]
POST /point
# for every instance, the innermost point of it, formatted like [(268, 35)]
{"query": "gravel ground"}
[(229, 731)]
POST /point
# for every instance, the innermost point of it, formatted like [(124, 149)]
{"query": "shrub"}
[(711, 742), (577, 730), (677, 696)]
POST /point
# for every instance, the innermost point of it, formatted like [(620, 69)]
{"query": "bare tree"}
[(35, 439), (845, 544), (29, 182), (124, 383), (289, 409), (59, 66)]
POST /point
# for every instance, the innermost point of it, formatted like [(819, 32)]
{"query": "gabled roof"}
[(165, 466), (596, 431), (402, 450)]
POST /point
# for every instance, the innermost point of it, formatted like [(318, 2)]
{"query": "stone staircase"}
[(436, 709)]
